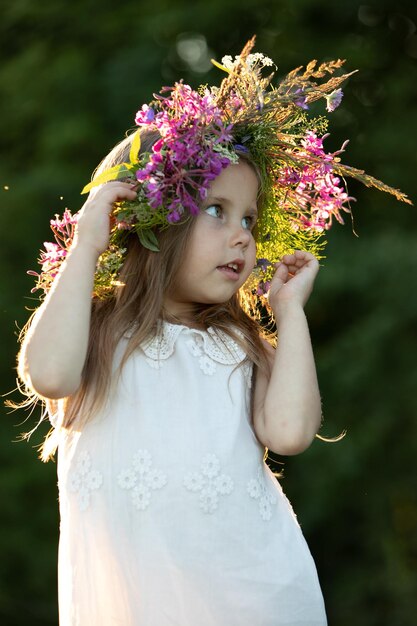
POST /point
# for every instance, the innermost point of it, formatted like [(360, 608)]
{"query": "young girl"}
[(162, 391)]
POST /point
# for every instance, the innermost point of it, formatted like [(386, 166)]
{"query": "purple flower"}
[(334, 99), (263, 264), (145, 116), (173, 217), (224, 133), (263, 287), (289, 176), (240, 148), (185, 159), (300, 99)]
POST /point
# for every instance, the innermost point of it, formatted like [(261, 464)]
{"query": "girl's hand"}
[(93, 226), (293, 280)]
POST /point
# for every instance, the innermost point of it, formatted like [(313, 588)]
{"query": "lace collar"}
[(216, 344)]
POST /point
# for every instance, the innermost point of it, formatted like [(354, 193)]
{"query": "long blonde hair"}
[(136, 307)]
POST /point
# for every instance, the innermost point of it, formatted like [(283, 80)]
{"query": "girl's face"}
[(221, 251)]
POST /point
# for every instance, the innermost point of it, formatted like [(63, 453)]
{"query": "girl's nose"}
[(240, 236)]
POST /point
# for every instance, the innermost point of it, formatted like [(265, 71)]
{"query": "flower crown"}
[(202, 132)]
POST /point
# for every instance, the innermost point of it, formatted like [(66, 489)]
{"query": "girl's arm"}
[(54, 350), (287, 407)]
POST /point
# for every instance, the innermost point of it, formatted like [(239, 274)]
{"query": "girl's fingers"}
[(114, 190), (96, 216), (297, 261), (299, 256), (281, 272)]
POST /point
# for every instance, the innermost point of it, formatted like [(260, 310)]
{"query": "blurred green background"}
[(72, 76)]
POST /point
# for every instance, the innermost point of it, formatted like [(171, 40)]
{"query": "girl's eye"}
[(214, 210), (248, 222)]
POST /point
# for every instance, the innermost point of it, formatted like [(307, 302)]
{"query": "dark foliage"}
[(72, 76)]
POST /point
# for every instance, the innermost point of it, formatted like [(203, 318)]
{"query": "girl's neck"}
[(185, 318)]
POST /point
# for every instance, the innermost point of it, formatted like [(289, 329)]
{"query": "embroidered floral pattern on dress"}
[(196, 347), (257, 489), (83, 480), (209, 482), (207, 365), (141, 478)]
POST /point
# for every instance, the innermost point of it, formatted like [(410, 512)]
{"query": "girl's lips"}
[(229, 272)]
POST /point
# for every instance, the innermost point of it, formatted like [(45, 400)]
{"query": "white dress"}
[(169, 515)]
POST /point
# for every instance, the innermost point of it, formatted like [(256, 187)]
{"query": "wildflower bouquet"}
[(202, 132)]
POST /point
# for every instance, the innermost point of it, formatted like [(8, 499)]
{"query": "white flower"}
[(93, 480), (259, 59), (127, 479), (257, 489), (83, 480), (228, 62), (254, 488), (74, 482), (209, 499), (142, 479), (142, 461), (83, 498), (83, 463), (265, 508), (333, 100), (256, 58), (156, 479), (210, 465), (207, 365), (271, 497), (141, 496), (193, 347), (209, 483), (193, 482), (224, 484)]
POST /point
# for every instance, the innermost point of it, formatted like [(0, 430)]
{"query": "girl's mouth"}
[(232, 270)]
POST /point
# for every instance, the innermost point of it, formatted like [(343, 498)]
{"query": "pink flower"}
[(145, 116), (67, 218), (184, 161), (263, 287), (173, 217), (314, 195), (313, 144), (54, 254)]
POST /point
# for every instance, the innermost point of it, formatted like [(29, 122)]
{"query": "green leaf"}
[(148, 239), (135, 147), (118, 171), (220, 66)]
